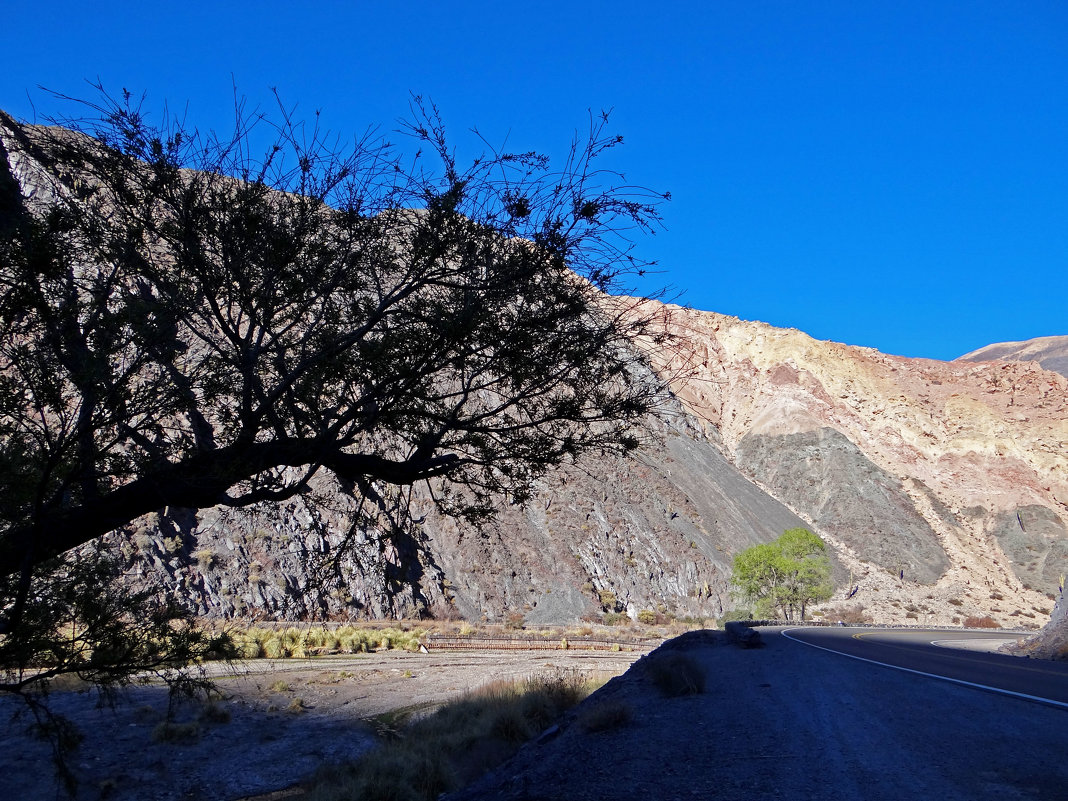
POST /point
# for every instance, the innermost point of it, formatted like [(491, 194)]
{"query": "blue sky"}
[(893, 175)]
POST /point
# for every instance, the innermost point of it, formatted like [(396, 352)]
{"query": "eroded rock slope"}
[(942, 488)]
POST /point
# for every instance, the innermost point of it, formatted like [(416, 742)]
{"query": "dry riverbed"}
[(278, 722)]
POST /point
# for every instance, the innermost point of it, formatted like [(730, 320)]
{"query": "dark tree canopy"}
[(184, 323)]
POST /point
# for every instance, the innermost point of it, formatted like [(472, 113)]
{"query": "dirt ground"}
[(286, 719)]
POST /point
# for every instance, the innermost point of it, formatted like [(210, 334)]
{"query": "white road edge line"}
[(786, 633)]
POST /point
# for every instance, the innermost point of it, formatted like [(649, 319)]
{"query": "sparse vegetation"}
[(850, 615), (303, 642), (439, 752), (604, 716), (213, 712), (981, 623), (206, 558), (171, 732), (608, 601)]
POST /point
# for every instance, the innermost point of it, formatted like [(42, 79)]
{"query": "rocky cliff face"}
[(654, 532), (942, 489)]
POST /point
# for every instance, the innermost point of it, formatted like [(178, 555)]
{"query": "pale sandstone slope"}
[(953, 473)]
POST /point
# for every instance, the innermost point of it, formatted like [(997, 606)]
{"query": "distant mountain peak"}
[(1050, 352)]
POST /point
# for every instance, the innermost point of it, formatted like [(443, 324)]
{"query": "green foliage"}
[(783, 577)]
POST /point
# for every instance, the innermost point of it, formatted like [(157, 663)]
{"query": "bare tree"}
[(184, 323)]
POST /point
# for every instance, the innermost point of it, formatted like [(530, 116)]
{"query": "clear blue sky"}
[(887, 174)]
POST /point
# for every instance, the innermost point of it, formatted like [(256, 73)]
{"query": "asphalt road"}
[(790, 722), (956, 656)]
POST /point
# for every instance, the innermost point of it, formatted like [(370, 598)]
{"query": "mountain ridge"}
[(941, 500), (1050, 352), (941, 487)]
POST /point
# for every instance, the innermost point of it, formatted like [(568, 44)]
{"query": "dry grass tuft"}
[(676, 673), (170, 732), (436, 753), (605, 716)]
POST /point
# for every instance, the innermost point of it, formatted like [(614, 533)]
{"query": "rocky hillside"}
[(941, 488), (1050, 352)]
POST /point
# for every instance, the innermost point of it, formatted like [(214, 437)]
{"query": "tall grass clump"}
[(452, 746), (299, 643)]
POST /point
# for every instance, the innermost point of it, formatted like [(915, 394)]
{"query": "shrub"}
[(426, 758), (213, 713), (981, 623), (170, 732), (510, 725), (737, 614), (604, 716), (206, 558), (647, 616), (849, 614), (274, 649), (676, 673)]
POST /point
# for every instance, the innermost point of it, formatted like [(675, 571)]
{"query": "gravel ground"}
[(287, 718)]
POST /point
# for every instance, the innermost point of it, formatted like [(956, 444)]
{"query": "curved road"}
[(957, 656)]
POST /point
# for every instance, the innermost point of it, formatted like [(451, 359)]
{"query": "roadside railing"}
[(505, 642)]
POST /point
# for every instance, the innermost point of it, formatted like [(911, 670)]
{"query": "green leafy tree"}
[(785, 576)]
